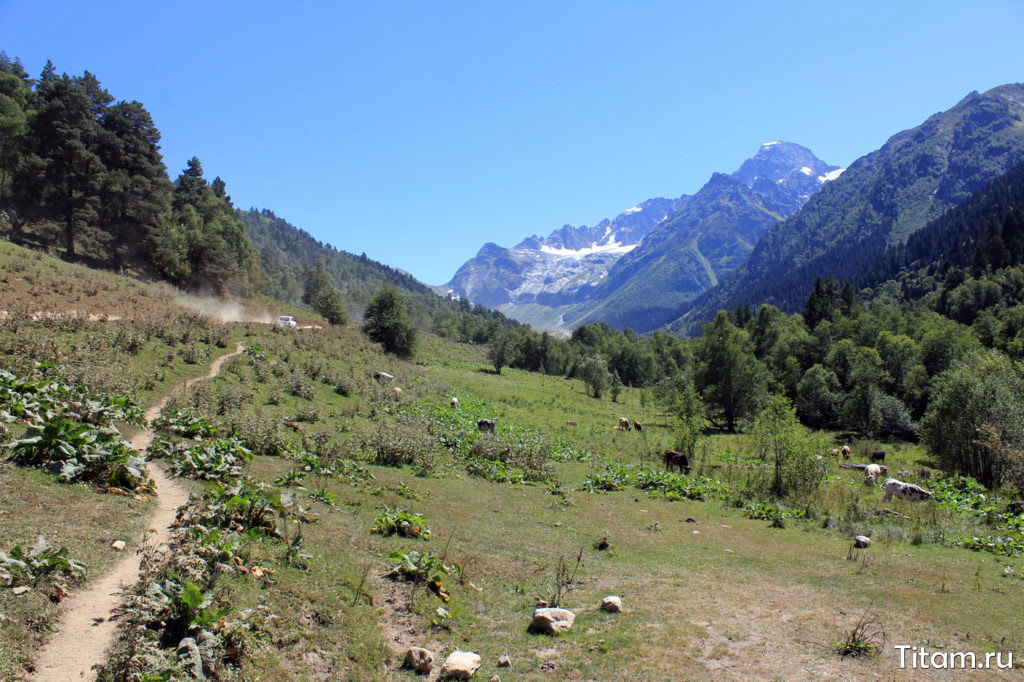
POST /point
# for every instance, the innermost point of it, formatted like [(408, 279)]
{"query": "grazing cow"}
[(570, 423), (846, 451), (904, 491), (455, 401), (678, 460), (835, 453), (637, 425), (384, 376), (396, 393), (485, 425), (624, 424), (871, 473), (878, 456)]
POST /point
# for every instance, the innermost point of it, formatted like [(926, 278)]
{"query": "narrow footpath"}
[(86, 630)]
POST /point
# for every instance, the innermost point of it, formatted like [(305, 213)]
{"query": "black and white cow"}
[(904, 491)]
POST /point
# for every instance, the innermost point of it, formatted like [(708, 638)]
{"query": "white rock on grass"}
[(119, 545), (419, 659), (504, 661), (553, 619), (460, 665), (612, 604), (21, 589)]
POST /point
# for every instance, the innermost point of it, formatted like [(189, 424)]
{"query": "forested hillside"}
[(880, 201), (289, 258), (82, 175)]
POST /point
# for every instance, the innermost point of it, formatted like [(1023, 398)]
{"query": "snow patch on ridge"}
[(806, 170), (610, 247), (635, 209), (766, 145), (831, 175)]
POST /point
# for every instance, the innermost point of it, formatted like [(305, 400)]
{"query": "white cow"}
[(904, 491), (871, 473), (455, 401)]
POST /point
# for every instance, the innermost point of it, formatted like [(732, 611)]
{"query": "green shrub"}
[(397, 521)]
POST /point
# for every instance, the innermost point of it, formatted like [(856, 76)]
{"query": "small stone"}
[(494, 678), (862, 542), (541, 603), (728, 550), (419, 659), (553, 620), (611, 604), (119, 545), (21, 589), (461, 665), (695, 532), (504, 661), (558, 524), (690, 519)]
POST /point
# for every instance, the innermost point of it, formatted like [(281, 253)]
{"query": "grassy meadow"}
[(711, 583)]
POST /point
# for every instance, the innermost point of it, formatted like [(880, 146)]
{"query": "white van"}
[(287, 321)]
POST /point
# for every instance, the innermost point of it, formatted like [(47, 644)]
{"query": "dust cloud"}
[(226, 311)]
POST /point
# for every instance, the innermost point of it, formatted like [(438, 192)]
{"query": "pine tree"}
[(329, 303), (68, 169), (386, 322), (317, 279), (136, 192)]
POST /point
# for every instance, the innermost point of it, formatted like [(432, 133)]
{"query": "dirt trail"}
[(85, 630)]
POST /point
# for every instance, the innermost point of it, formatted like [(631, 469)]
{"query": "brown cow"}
[(677, 459), (485, 425), (637, 425), (846, 451)]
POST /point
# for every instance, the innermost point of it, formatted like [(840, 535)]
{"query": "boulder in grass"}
[(553, 620), (419, 659), (119, 545), (504, 661), (611, 604), (460, 665)]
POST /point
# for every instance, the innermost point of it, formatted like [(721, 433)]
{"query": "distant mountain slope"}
[(552, 271), (707, 238), (985, 231), (879, 201), (286, 253), (637, 269)]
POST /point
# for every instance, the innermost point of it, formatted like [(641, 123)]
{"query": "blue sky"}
[(416, 131)]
